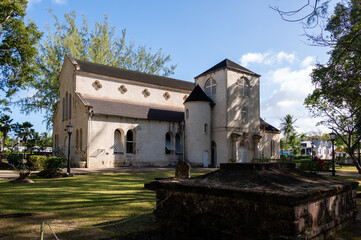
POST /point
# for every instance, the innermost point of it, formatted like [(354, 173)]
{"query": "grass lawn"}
[(94, 200), (83, 200), (347, 169)]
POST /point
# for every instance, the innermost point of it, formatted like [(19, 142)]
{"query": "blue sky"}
[(199, 34)]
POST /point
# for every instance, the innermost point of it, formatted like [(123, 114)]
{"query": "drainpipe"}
[(91, 112), (184, 139)]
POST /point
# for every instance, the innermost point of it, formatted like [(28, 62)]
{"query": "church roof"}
[(130, 110), (268, 127), (198, 95), (226, 63), (131, 75)]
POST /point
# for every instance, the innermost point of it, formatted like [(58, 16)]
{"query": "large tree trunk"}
[(355, 160)]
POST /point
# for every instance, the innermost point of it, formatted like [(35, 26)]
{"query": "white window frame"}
[(246, 87), (210, 87), (244, 119)]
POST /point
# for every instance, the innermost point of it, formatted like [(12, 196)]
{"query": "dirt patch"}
[(17, 215), (21, 180)]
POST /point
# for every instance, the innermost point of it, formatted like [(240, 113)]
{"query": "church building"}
[(128, 118)]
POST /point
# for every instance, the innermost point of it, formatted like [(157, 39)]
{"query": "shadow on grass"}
[(83, 200)]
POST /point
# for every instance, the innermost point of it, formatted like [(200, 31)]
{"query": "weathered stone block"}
[(258, 201)]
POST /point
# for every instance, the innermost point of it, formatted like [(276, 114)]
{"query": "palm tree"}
[(5, 127), (295, 143), (24, 131), (287, 126)]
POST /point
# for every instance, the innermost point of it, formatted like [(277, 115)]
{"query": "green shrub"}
[(37, 162), (302, 157), (53, 165), (15, 160), (307, 165), (328, 165), (4, 155)]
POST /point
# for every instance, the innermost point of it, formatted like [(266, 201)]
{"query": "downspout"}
[(91, 112), (184, 139)]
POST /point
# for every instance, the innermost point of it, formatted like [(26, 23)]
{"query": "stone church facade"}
[(127, 118)]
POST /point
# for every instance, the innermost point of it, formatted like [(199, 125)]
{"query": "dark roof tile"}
[(133, 75), (268, 127), (122, 109), (198, 95), (226, 63)]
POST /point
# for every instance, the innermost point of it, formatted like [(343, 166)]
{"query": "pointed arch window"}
[(131, 142), (210, 87), (169, 148), (118, 141), (246, 87), (244, 115), (69, 110), (178, 143), (66, 106), (272, 148), (77, 139), (63, 109)]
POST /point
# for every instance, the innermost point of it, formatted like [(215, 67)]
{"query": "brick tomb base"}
[(254, 201)]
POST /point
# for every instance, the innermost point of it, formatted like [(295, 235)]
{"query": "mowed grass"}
[(80, 201), (347, 169)]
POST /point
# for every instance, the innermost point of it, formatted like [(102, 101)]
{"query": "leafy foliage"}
[(15, 160), (97, 46), (52, 167), (5, 127), (17, 48), (288, 128), (337, 96), (37, 161)]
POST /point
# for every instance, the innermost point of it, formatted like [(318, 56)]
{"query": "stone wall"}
[(195, 214), (255, 201)]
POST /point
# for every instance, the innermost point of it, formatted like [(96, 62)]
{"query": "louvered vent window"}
[(118, 142)]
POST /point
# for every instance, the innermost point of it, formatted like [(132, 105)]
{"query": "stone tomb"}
[(254, 201)]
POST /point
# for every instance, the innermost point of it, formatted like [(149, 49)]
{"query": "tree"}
[(287, 126), (98, 46), (310, 11), (337, 96), (5, 127), (45, 141), (25, 132), (17, 48), (294, 143)]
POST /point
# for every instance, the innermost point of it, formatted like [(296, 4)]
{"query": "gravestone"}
[(183, 170)]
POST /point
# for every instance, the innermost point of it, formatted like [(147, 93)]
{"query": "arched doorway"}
[(242, 153), (213, 154), (205, 159)]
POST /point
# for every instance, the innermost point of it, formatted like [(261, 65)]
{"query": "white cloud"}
[(282, 56), (253, 58), (268, 58), (59, 1), (286, 103), (308, 61), (290, 86)]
